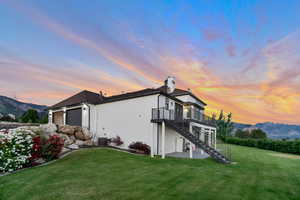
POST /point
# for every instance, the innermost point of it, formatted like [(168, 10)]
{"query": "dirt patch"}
[(285, 155)]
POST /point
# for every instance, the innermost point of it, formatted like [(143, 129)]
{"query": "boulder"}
[(67, 140), (48, 128), (72, 137), (84, 143), (88, 143), (83, 134), (79, 142), (66, 129), (73, 146), (64, 150)]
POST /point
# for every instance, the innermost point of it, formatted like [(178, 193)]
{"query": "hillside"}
[(12, 106), (274, 130)]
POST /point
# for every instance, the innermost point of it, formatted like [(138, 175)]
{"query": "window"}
[(167, 103)]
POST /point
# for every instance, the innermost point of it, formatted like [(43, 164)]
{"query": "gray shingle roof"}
[(81, 97), (94, 98)]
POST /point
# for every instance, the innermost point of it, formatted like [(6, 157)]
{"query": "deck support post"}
[(191, 150), (163, 137), (152, 138), (215, 135)]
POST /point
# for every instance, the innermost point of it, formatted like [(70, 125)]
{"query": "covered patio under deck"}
[(195, 155)]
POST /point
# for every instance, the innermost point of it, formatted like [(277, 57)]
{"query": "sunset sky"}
[(239, 56)]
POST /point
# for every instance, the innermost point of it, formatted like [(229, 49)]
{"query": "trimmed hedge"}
[(268, 144)]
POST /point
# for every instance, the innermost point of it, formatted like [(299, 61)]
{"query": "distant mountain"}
[(17, 108), (274, 130)]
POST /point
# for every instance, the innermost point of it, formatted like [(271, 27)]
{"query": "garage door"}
[(74, 117)]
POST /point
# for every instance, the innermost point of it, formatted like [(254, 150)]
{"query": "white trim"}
[(163, 138)]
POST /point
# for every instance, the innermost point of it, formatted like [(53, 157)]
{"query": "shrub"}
[(140, 146), (15, 149), (117, 140), (31, 116), (36, 148), (268, 144), (52, 147)]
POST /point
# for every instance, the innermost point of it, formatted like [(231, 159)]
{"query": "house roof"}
[(179, 92), (140, 93), (81, 97), (94, 98)]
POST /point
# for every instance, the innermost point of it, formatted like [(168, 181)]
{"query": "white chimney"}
[(170, 84)]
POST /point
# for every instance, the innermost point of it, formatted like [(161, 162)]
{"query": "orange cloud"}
[(266, 89)]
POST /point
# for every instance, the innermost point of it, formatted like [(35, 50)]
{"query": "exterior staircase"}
[(182, 130)]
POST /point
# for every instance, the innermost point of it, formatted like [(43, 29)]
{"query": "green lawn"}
[(109, 174)]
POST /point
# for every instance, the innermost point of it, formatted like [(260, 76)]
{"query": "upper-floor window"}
[(167, 103)]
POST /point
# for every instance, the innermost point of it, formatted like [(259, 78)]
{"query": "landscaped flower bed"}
[(22, 148), (139, 147), (15, 149)]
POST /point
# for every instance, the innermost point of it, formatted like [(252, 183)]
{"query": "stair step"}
[(209, 150)]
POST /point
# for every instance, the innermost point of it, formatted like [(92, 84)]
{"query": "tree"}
[(44, 120), (258, 134), (242, 134), (31, 116), (224, 125)]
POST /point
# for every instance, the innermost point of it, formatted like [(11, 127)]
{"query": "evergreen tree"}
[(224, 125), (31, 116), (258, 134)]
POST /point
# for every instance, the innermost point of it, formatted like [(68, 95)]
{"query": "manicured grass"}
[(109, 174)]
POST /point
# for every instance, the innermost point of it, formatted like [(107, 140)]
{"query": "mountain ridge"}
[(18, 108), (273, 130)]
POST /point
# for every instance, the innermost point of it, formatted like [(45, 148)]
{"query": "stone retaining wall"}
[(12, 125)]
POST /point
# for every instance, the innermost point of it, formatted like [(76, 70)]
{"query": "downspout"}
[(89, 116)]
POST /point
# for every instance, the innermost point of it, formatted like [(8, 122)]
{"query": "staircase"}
[(180, 128)]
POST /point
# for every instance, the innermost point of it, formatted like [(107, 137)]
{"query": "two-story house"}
[(166, 118)]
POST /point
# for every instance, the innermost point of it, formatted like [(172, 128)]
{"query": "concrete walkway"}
[(196, 155)]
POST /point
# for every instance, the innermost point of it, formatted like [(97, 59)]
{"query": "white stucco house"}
[(168, 119)]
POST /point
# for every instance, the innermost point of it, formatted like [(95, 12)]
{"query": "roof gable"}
[(179, 92), (81, 97)]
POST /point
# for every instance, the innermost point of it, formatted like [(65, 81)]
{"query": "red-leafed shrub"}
[(117, 140), (141, 147), (36, 148), (52, 147)]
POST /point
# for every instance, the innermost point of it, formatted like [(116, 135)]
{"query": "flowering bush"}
[(117, 140), (141, 147), (15, 149), (52, 147), (36, 148)]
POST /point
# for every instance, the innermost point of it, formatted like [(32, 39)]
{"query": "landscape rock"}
[(88, 143), (83, 134), (48, 128), (67, 140), (73, 146), (72, 137), (66, 129), (64, 150), (40, 161), (87, 133), (79, 142)]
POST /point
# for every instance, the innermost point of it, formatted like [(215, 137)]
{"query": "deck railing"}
[(163, 113), (166, 114), (199, 116)]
